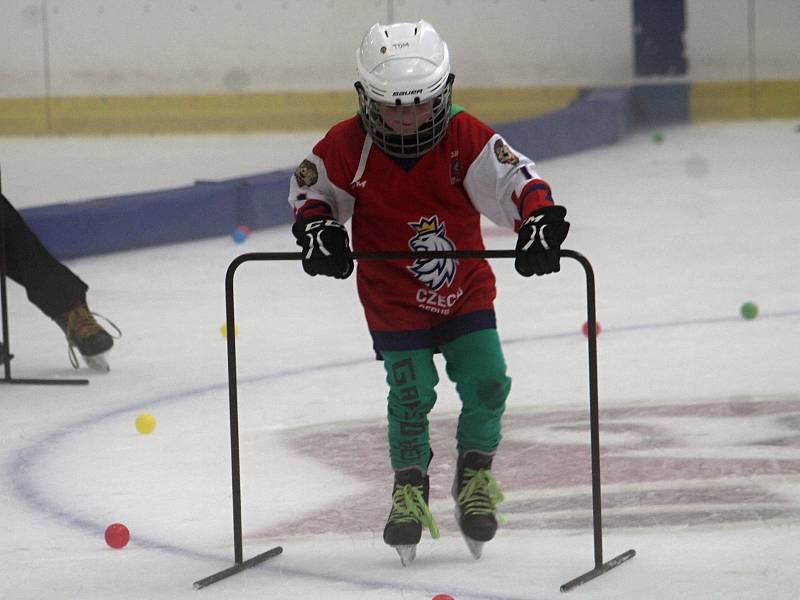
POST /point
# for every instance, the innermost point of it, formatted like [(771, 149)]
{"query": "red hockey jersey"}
[(432, 203)]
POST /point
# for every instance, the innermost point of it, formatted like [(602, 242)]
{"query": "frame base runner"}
[(597, 571), (250, 562), (46, 381)]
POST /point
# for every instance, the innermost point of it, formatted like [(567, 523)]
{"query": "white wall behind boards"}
[(510, 43), (122, 47), (732, 40), (21, 49), (132, 47), (109, 47)]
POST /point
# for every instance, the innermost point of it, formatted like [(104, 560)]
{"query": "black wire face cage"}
[(427, 135)]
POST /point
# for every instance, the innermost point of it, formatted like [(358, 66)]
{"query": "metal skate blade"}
[(407, 553), (475, 547), (97, 363)]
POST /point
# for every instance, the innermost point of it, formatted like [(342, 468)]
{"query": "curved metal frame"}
[(599, 566)]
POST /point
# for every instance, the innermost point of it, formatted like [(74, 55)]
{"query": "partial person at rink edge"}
[(414, 171), (54, 289)]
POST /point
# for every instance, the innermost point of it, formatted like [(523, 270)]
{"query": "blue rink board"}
[(215, 208)]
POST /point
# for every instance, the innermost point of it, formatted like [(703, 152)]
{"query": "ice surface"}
[(700, 410)]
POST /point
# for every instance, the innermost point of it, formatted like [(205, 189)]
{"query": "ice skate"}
[(409, 513), (85, 333), (477, 495)]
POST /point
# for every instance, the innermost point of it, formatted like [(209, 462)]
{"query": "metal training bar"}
[(599, 566)]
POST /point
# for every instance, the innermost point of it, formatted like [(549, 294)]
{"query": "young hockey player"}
[(414, 171), (53, 288)]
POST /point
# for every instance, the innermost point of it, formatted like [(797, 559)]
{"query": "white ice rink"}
[(700, 409)]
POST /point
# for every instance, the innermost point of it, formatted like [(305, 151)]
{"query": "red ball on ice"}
[(117, 535), (443, 597), (585, 328)]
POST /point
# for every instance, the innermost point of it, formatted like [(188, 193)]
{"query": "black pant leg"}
[(50, 285)]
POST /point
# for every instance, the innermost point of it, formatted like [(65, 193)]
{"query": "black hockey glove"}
[(539, 241), (326, 247)]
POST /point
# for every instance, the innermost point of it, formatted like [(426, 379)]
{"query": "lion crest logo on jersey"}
[(306, 174), (504, 153), (432, 235)]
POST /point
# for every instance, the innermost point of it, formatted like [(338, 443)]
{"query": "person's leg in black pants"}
[(52, 287)]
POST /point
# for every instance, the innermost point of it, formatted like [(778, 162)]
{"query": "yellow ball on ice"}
[(145, 423), (224, 330)]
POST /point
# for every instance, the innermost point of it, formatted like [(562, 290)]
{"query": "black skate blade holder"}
[(5, 352), (600, 567)]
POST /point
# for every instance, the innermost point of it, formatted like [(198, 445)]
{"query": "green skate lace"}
[(409, 506), (480, 494)]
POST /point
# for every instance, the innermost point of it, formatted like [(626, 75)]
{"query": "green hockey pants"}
[(475, 363)]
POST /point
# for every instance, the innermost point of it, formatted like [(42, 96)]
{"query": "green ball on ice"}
[(749, 310), (658, 137)]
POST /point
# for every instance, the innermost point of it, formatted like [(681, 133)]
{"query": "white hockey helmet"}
[(404, 64)]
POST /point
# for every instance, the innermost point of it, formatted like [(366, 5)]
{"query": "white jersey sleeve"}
[(310, 182), (496, 178)]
